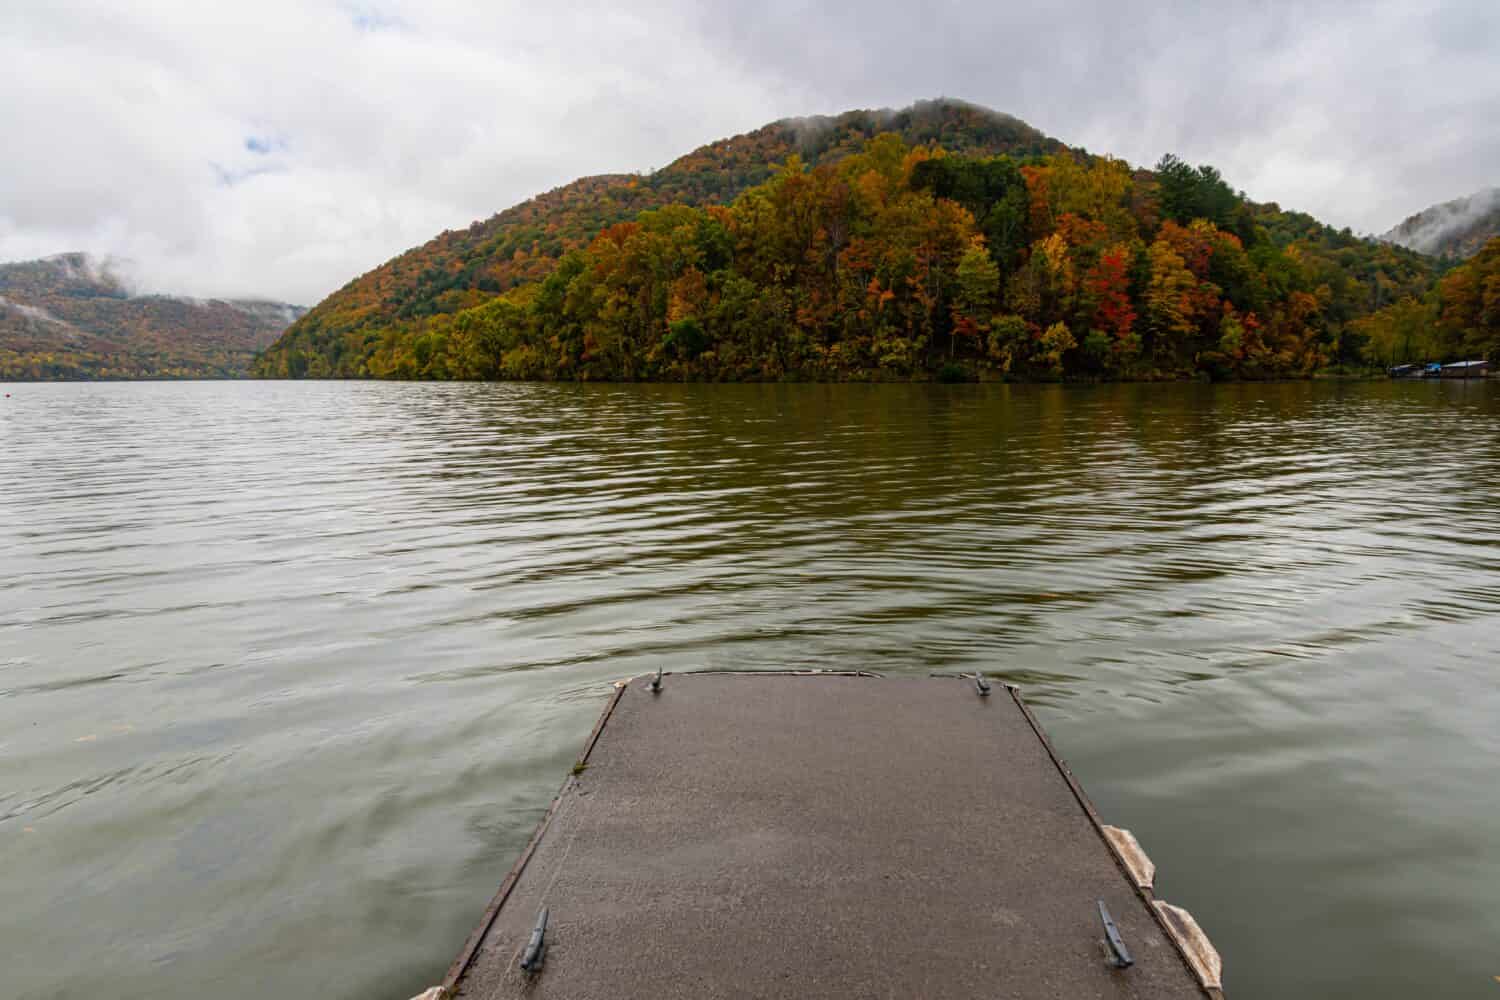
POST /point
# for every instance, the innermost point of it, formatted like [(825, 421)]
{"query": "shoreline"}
[(1165, 380)]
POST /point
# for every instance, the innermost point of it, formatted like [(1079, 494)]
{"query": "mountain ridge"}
[(75, 316), (1456, 229)]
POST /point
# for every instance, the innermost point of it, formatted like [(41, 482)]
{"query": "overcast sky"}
[(281, 148)]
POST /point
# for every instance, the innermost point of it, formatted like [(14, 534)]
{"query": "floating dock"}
[(827, 835)]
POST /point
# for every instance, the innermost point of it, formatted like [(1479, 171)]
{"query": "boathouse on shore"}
[(1467, 369)]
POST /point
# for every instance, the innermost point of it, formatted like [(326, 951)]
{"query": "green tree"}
[(1189, 193)]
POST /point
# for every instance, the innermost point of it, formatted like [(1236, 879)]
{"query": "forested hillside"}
[(463, 268), (1459, 319), (847, 253), (70, 317)]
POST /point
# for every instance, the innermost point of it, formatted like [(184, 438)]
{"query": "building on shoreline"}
[(1467, 369)]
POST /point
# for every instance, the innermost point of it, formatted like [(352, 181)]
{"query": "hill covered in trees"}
[(463, 268), (73, 317), (944, 241), (1458, 319), (1456, 229)]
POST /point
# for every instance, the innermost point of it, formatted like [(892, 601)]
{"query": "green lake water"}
[(289, 671)]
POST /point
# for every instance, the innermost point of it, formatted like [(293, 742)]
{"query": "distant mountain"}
[(1459, 228), (73, 316)]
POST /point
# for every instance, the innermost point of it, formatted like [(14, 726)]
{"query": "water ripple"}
[(287, 672)]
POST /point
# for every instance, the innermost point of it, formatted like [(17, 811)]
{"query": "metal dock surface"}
[(826, 835)]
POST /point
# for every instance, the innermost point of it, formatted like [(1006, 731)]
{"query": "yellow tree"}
[(1400, 332), (1169, 303), (978, 278)]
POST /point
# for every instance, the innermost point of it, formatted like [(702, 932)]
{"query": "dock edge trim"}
[(1186, 950), (476, 937)]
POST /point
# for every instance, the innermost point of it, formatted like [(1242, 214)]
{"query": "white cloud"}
[(132, 133), (280, 148)]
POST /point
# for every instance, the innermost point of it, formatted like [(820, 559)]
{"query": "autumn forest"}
[(894, 257)]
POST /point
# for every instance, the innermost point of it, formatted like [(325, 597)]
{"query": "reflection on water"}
[(289, 671)]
